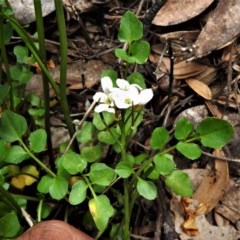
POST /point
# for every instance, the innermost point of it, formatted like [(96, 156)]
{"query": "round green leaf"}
[(180, 183), (21, 53), (137, 78), (140, 51), (101, 174), (107, 137), (44, 183), (86, 132), (12, 126), (73, 163), (183, 129), (98, 122), (78, 192), (124, 169), (92, 154), (16, 154), (101, 211), (131, 29), (164, 163), (37, 140), (10, 226), (214, 132), (59, 187), (190, 150), (122, 54), (146, 189), (159, 138)]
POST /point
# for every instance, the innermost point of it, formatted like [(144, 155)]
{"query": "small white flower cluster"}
[(124, 96)]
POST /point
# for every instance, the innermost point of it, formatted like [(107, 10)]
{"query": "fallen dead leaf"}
[(200, 88), (222, 27), (214, 184), (175, 12)]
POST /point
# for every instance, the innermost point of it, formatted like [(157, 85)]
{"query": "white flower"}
[(104, 98), (128, 95), (124, 96)]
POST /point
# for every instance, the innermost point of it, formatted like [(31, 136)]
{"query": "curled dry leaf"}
[(214, 184), (200, 88), (175, 12), (222, 27), (205, 229)]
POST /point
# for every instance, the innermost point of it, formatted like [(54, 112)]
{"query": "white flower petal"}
[(144, 97), (104, 107), (122, 84), (99, 96), (106, 84)]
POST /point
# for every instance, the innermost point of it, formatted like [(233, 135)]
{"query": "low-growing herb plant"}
[(105, 174)]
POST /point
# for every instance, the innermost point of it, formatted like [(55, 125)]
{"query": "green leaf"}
[(112, 74), (38, 140), (44, 184), (21, 53), (4, 90), (98, 122), (7, 32), (101, 174), (107, 137), (92, 154), (140, 51), (159, 138), (180, 183), (214, 132), (12, 126), (137, 78), (10, 226), (131, 29), (16, 154), (124, 169), (20, 74), (78, 192), (59, 187), (146, 189), (183, 129), (73, 163), (101, 211), (122, 54), (190, 150), (3, 150), (164, 163), (86, 132)]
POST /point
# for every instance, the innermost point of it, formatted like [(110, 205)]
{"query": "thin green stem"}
[(63, 69), (38, 161), (4, 58), (42, 54), (32, 48)]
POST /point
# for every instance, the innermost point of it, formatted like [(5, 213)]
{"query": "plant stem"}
[(42, 54), (5, 61), (63, 70), (38, 161)]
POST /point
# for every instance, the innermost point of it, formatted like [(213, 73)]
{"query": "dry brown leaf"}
[(175, 12), (200, 88), (206, 230), (183, 69), (221, 28), (214, 184), (187, 35)]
